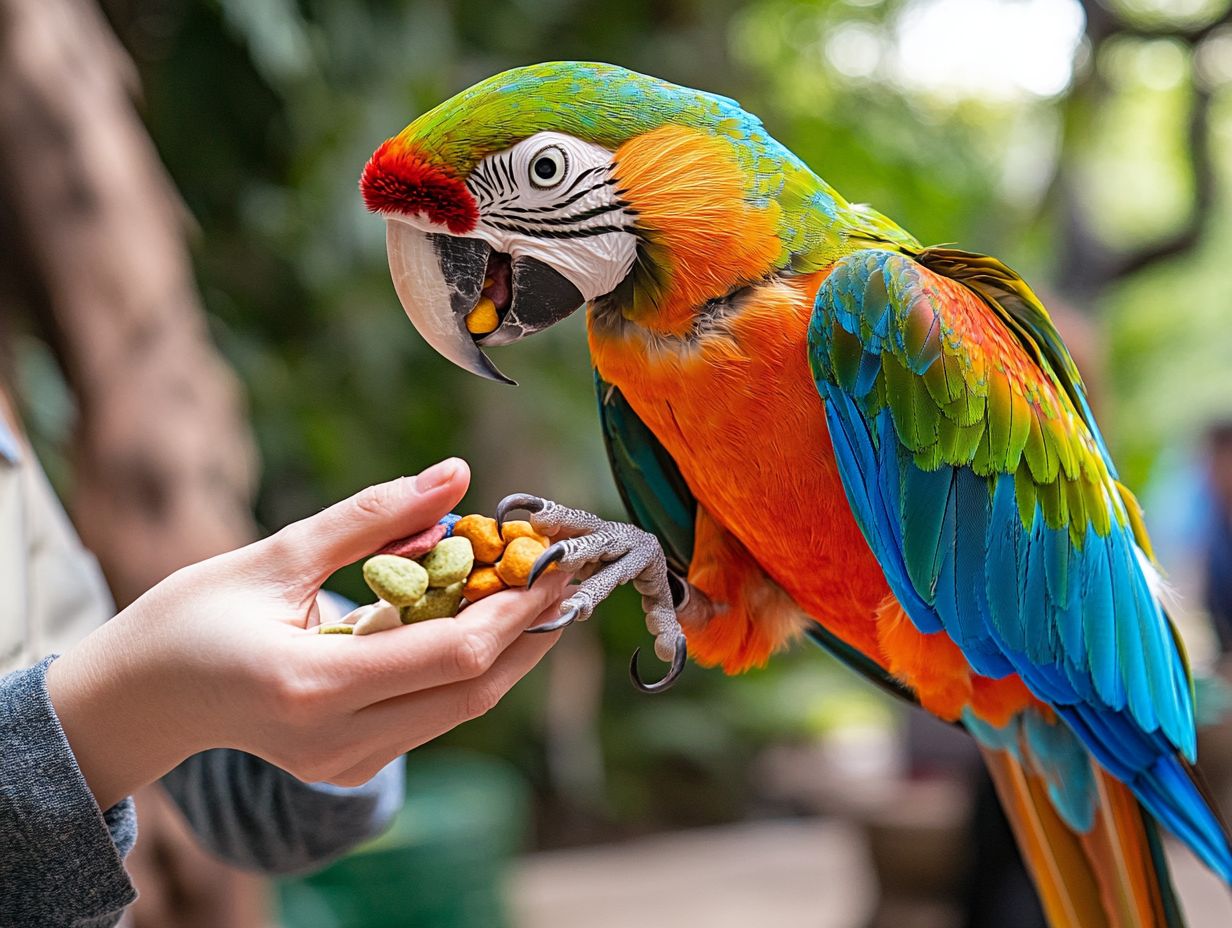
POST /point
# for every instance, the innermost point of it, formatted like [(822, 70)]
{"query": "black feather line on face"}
[(561, 233), (563, 220), (505, 166), (585, 174), (493, 179), (480, 185), (561, 204)]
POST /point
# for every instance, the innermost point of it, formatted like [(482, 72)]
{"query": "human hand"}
[(220, 655)]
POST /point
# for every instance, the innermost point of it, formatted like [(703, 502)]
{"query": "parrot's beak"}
[(438, 279), (441, 278), (538, 297)]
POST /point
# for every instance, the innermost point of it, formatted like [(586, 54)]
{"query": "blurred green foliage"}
[(266, 110)]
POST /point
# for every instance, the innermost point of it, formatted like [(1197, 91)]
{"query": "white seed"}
[(376, 617)]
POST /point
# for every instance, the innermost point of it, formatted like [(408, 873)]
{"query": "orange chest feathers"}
[(737, 409)]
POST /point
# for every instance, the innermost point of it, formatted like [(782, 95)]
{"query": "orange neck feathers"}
[(704, 239)]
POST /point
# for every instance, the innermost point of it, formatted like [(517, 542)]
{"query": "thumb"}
[(356, 527)]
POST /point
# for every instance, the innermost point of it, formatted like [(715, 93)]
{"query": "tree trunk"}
[(164, 465)]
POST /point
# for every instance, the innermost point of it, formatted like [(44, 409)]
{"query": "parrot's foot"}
[(607, 554)]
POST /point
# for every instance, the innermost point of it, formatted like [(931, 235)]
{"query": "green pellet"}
[(397, 580), (340, 628), (449, 562), (437, 603)]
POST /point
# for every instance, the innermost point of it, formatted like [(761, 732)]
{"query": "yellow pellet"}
[(483, 318)]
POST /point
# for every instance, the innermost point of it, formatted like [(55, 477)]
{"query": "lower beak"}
[(439, 278)]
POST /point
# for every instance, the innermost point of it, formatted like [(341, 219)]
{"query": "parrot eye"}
[(548, 168)]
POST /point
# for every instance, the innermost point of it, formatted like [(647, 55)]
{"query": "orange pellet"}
[(484, 538), (519, 528), (520, 556), (483, 581)]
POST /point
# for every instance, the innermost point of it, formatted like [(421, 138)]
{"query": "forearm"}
[(119, 717), (61, 858), (255, 815)]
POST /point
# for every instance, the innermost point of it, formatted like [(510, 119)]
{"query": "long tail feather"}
[(1133, 872), (1112, 876)]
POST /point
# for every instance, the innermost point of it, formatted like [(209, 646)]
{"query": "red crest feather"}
[(397, 180)]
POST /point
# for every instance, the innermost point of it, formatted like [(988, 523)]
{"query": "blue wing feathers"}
[(1034, 606), (1008, 575), (1159, 779), (1066, 767), (923, 522), (965, 573), (1099, 635), (1002, 548)]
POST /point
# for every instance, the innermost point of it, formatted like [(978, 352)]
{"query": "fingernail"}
[(437, 475)]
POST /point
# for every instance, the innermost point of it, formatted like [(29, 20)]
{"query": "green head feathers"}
[(712, 199)]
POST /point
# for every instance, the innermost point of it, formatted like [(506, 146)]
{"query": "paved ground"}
[(786, 874), (791, 874), (1206, 901)]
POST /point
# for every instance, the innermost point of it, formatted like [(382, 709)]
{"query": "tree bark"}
[(164, 466), (164, 463)]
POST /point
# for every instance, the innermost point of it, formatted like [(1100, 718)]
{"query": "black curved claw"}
[(679, 588), (516, 501), (549, 557), (566, 618), (678, 659)]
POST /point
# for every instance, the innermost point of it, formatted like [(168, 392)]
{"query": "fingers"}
[(314, 548), (405, 722), (424, 655)]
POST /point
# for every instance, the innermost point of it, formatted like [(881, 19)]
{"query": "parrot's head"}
[(543, 188)]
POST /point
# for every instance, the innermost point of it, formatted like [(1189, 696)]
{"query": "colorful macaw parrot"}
[(828, 429)]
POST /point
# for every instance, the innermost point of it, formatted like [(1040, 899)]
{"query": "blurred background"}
[(196, 314)]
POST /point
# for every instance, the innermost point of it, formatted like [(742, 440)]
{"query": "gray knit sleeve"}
[(253, 815), (61, 858)]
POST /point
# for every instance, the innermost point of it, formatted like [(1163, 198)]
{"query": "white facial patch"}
[(553, 197)]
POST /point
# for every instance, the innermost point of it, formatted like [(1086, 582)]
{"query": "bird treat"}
[(439, 571)]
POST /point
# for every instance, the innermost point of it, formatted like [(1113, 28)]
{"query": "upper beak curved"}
[(438, 279)]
